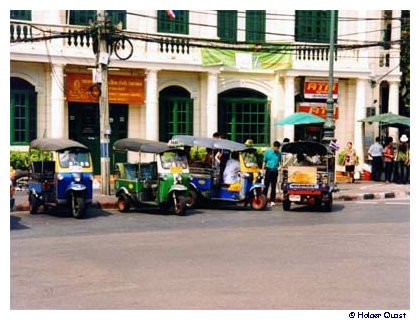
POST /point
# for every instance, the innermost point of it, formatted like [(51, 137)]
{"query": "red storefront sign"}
[(318, 109), (317, 88), (121, 89)]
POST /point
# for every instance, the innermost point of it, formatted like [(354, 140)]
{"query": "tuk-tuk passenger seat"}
[(42, 170), (130, 171), (148, 173)]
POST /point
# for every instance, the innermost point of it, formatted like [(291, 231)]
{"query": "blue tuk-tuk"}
[(63, 181), (207, 182)]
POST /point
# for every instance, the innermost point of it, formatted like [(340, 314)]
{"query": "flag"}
[(170, 14), (334, 146)]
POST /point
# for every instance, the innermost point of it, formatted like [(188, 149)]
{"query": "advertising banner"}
[(317, 108), (121, 89), (317, 88)]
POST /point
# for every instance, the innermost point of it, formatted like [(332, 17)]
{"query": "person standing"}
[(388, 159), (401, 160), (270, 167), (231, 172), (376, 151), (350, 161)]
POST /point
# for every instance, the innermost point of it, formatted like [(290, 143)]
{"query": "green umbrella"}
[(388, 118), (300, 118)]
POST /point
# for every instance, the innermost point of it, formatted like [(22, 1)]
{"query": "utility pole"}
[(329, 125), (102, 59)]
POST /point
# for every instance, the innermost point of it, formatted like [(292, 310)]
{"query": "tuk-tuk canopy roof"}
[(212, 143), (140, 145), (309, 148), (54, 144)]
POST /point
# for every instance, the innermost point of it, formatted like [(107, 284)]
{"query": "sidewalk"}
[(360, 190)]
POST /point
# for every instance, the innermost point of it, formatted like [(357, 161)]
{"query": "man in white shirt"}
[(230, 175), (376, 152)]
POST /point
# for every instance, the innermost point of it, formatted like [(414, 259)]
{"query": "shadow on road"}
[(15, 223)]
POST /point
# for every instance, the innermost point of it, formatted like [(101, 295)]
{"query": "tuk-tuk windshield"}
[(301, 159), (68, 158), (174, 159), (250, 159)]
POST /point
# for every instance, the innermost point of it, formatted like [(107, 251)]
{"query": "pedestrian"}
[(270, 169), (222, 157), (376, 152), (401, 162), (388, 159), (286, 140), (350, 161)]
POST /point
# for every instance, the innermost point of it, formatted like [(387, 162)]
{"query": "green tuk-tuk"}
[(162, 182)]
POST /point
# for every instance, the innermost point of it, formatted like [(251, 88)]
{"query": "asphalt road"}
[(356, 257)]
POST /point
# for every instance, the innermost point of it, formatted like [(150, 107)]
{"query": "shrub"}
[(20, 159)]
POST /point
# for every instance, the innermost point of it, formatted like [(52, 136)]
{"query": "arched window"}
[(22, 112), (176, 112), (244, 114)]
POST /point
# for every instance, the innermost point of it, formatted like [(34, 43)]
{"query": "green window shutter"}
[(227, 25), (118, 16), (22, 117), (255, 26), (245, 118), (178, 25), (314, 26), (82, 17), (21, 15)]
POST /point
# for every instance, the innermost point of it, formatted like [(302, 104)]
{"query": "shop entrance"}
[(84, 127)]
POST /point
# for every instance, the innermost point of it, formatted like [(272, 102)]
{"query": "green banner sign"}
[(246, 60)]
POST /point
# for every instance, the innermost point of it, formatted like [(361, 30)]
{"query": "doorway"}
[(84, 127)]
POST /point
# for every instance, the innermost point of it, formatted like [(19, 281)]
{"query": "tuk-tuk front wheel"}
[(34, 204), (258, 202), (124, 203), (180, 204), (78, 205)]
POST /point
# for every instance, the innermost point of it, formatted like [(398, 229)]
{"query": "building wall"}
[(33, 61)]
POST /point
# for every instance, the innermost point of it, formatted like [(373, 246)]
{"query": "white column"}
[(57, 101), (359, 113), (152, 105), (393, 105), (289, 106), (211, 103), (275, 115)]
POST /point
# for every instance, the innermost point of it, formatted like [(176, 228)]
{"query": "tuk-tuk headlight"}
[(178, 179), (60, 176), (76, 177)]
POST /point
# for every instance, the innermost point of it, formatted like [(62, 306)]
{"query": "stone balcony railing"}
[(77, 42)]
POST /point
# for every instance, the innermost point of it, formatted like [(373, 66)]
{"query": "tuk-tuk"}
[(162, 182), (66, 180), (307, 174), (207, 183)]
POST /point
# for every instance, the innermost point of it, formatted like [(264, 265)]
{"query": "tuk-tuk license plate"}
[(294, 197)]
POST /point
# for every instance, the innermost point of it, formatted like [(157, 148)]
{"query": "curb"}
[(104, 204), (98, 205)]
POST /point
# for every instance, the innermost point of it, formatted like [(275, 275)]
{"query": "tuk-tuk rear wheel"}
[(329, 204), (124, 203), (192, 199), (33, 204), (286, 204), (259, 202)]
